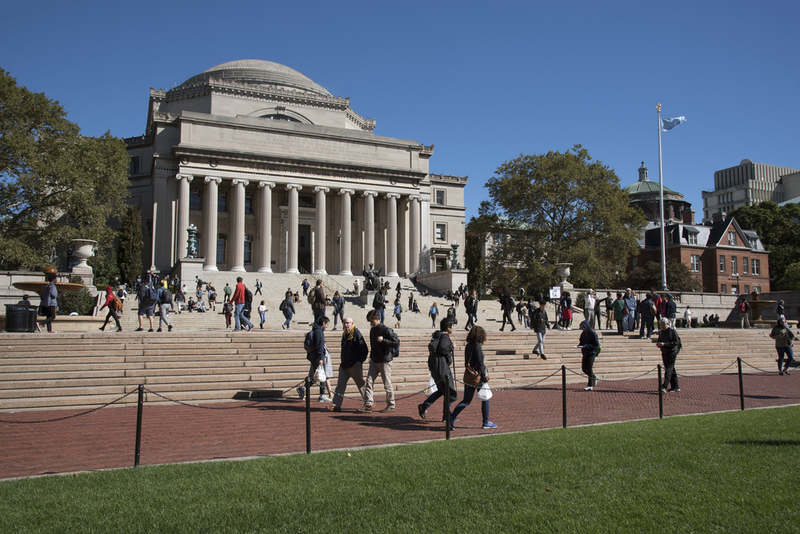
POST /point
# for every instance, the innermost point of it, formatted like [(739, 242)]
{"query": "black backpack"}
[(387, 332), (165, 297), (308, 344)]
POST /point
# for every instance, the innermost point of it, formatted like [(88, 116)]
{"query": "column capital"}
[(188, 177), (289, 187), (346, 192), (239, 181), (209, 179), (322, 188), (415, 197), (266, 184), (393, 195), (369, 194)]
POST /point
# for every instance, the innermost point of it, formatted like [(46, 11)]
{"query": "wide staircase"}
[(71, 370)]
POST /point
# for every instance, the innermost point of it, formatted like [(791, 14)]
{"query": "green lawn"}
[(731, 472)]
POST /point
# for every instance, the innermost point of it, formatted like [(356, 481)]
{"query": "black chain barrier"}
[(308, 383)]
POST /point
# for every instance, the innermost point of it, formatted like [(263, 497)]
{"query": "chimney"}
[(687, 216), (719, 216)]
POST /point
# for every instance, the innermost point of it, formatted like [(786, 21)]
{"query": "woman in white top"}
[(262, 312)]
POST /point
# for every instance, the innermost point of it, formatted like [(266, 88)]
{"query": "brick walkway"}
[(174, 433)]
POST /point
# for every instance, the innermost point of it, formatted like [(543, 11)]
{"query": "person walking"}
[(259, 285), (48, 303), (507, 306), (382, 342), (226, 292), (354, 354), (783, 344), (338, 309), (590, 346), (541, 325), (111, 299), (318, 355), (473, 358), (398, 312), (440, 359), (670, 344), (287, 307), (164, 306), (647, 315), (238, 299), (432, 313), (379, 303), (317, 300), (471, 307), (148, 300)]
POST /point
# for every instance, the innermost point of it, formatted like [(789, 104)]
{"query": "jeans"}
[(381, 314), (540, 345), (336, 316), (471, 320), (240, 318), (587, 366), (469, 393), (263, 316), (439, 393), (646, 324), (784, 351), (288, 314), (162, 319)]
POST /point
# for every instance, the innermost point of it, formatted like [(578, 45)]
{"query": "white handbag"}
[(485, 393), (431, 389), (319, 375)]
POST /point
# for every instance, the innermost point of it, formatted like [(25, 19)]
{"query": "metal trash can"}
[(20, 318)]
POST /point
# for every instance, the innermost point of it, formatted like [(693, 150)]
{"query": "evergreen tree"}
[(129, 252)]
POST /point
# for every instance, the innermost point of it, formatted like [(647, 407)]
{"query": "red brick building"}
[(726, 258)]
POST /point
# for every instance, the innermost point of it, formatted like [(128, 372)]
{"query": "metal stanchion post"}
[(564, 394), (660, 395), (741, 383), (138, 447), (308, 383), (447, 408)]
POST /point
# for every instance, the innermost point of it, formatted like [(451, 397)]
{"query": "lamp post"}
[(454, 263)]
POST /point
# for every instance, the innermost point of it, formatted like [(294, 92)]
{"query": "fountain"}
[(756, 305), (38, 287)]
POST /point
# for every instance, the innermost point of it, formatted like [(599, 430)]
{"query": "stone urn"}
[(83, 250), (563, 271)]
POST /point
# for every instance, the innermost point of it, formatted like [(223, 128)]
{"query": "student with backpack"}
[(148, 300), (440, 358), (164, 304), (318, 355), (287, 308), (384, 348), (744, 313), (398, 310), (114, 304)]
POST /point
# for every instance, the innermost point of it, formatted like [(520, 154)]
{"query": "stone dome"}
[(256, 71)]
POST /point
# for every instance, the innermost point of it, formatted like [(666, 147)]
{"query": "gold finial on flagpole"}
[(658, 108)]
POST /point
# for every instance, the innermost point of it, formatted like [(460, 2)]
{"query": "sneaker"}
[(159, 330), (674, 390), (536, 352), (786, 372), (422, 410), (169, 328), (365, 409), (283, 326), (301, 392), (150, 330), (781, 373), (663, 390), (334, 408), (325, 398), (490, 425), (542, 356), (587, 388), (140, 329), (388, 409)]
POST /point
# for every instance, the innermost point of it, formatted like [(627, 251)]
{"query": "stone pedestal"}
[(367, 298), (188, 268)]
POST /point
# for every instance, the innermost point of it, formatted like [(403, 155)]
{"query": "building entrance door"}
[(304, 248)]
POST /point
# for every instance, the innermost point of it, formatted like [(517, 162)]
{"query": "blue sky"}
[(484, 82)]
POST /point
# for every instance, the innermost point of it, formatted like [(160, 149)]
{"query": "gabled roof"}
[(719, 229)]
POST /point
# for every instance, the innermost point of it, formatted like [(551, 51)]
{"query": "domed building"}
[(645, 194), (278, 175)]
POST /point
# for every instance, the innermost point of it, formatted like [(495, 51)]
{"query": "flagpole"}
[(661, 206)]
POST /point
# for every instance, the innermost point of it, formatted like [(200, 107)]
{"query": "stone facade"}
[(278, 175)]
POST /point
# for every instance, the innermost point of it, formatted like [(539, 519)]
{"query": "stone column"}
[(320, 234), (369, 230), (265, 228), (413, 241), (294, 222), (391, 234), (183, 212), (210, 218), (237, 226), (346, 239)]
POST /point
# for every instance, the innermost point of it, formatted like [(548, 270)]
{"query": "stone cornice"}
[(443, 178), (361, 122)]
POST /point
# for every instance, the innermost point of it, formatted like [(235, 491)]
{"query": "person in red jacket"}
[(112, 311), (238, 301)]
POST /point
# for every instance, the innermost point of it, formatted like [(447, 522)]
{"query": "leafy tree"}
[(55, 185), (560, 208), (679, 276), (129, 253), (779, 230), (790, 281), (104, 265)]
